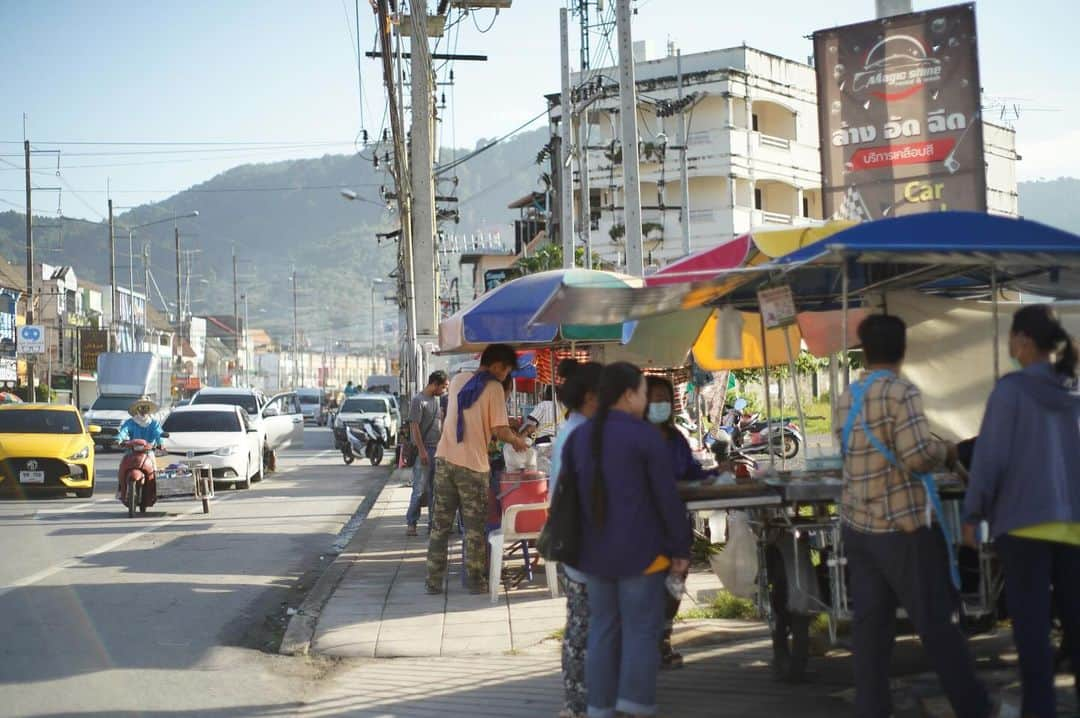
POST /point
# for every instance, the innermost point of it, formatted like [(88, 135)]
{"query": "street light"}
[(131, 264), (374, 283)]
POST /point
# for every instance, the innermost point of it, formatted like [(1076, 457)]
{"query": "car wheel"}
[(245, 483), (258, 474)]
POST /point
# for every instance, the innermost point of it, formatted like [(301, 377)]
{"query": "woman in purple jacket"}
[(1025, 481), (634, 534)]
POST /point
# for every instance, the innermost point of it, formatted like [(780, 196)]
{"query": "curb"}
[(301, 629)]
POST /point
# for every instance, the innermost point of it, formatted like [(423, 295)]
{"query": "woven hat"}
[(141, 403)]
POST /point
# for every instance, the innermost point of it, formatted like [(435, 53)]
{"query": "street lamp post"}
[(374, 283)]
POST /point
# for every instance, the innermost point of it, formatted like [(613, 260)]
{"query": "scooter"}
[(138, 476), (369, 441), (785, 438)]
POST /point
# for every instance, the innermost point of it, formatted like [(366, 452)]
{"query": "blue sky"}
[(282, 72)]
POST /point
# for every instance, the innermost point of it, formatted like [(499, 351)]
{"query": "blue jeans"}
[(621, 659), (423, 479)]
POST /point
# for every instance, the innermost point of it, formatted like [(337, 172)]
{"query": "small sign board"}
[(777, 306), (30, 339), (92, 342)]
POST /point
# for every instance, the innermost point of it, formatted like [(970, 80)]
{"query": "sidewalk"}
[(380, 610)]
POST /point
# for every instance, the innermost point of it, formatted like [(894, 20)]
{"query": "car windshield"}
[(309, 398), (39, 421), (201, 421), (245, 401), (113, 403), (366, 406)]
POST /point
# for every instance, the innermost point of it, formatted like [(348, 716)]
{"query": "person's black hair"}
[(883, 338), (652, 381), (1040, 324), (615, 380), (499, 354), (585, 378), (438, 377), (566, 367)]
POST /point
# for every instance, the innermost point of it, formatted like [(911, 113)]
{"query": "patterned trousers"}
[(458, 487), (575, 636)]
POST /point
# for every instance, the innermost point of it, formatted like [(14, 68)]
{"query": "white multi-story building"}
[(752, 152)]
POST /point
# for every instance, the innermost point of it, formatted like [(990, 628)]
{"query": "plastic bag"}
[(736, 566), (519, 460)]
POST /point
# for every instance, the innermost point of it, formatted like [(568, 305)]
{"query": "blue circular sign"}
[(31, 334)]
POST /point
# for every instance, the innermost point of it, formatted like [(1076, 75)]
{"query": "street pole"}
[(131, 286), (566, 136), (628, 114), (583, 171), (29, 269), (294, 331), (684, 182), (146, 291), (247, 341), (236, 313), (114, 296), (179, 305), (423, 185), (888, 8)]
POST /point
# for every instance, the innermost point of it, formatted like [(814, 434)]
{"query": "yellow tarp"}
[(752, 356)]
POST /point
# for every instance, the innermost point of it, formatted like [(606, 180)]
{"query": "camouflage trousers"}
[(575, 637), (457, 487)]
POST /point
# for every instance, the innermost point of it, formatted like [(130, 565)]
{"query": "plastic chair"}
[(523, 517)]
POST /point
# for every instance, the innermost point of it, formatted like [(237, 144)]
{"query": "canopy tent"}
[(502, 315)]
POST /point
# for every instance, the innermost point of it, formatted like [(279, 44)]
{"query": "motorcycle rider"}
[(141, 425)]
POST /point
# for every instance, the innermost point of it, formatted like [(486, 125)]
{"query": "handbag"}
[(560, 539), (412, 451)]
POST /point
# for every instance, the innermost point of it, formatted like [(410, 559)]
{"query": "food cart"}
[(954, 258)]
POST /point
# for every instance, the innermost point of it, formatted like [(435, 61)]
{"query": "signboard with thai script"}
[(92, 343), (777, 306), (899, 115)]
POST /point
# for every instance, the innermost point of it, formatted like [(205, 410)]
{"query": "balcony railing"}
[(778, 142), (775, 218)]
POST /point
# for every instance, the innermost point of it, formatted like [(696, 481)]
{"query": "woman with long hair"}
[(578, 394), (1025, 481), (634, 533)]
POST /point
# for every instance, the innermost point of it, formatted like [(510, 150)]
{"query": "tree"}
[(550, 256)]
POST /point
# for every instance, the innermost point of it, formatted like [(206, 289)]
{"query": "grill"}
[(53, 468), (193, 453)]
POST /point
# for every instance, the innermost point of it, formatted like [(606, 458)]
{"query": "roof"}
[(528, 200), (40, 407), (231, 408), (230, 390)]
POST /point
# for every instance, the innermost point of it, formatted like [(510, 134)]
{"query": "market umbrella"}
[(502, 315)]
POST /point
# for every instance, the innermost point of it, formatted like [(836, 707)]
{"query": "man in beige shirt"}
[(476, 411)]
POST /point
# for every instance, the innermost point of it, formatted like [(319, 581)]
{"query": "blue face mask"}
[(659, 412)]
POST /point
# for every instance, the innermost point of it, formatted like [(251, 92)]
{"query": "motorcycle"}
[(369, 441), (751, 433), (138, 476)]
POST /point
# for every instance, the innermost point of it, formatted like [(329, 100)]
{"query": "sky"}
[(241, 81)]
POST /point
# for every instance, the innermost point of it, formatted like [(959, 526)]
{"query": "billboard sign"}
[(899, 115), (92, 343), (30, 339)]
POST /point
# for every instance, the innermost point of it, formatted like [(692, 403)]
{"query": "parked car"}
[(278, 420), (313, 405), (368, 406), (220, 435), (46, 446)]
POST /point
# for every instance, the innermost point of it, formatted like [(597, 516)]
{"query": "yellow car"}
[(46, 446)]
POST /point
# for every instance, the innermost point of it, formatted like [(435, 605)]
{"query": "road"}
[(172, 612)]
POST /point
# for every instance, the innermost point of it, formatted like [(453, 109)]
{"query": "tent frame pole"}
[(768, 394)]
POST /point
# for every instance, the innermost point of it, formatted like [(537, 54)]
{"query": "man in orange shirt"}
[(476, 411)]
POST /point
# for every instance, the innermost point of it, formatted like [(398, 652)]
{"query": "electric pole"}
[(566, 140), (179, 305), (236, 310), (146, 294), (628, 114), (421, 168), (680, 139), (585, 228), (29, 270), (295, 335), (114, 297)]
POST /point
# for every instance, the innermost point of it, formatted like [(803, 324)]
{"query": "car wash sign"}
[(898, 105), (30, 339)]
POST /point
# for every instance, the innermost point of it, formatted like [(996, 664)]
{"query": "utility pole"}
[(131, 287), (29, 269), (403, 191), (295, 337), (628, 114), (423, 184), (566, 139), (585, 227), (179, 304), (236, 311), (888, 8), (684, 182), (146, 293), (114, 297)]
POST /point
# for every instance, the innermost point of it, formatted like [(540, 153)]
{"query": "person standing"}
[(425, 428), (1025, 480), (578, 394), (896, 555), (476, 411), (634, 534)]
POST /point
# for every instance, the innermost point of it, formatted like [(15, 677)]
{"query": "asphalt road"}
[(170, 613)]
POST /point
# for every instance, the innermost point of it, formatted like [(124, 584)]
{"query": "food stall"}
[(953, 262)]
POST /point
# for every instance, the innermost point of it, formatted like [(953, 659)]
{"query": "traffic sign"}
[(31, 339)]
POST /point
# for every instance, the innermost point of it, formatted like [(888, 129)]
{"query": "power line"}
[(451, 165)]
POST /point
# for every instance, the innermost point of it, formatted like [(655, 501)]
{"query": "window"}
[(364, 406), (34, 421), (805, 206), (113, 403), (757, 199), (246, 401), (754, 125), (201, 421)]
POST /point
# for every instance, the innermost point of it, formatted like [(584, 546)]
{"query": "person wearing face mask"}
[(1025, 481), (141, 425), (661, 414), (634, 534)]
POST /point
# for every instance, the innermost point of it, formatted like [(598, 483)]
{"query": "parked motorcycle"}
[(369, 441), (138, 476), (750, 433)]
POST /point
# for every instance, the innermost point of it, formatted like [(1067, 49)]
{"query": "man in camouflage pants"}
[(475, 412)]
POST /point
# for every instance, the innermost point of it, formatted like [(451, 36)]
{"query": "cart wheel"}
[(206, 506), (790, 630)]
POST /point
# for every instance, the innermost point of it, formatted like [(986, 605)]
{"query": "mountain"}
[(1052, 202), (284, 214)]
